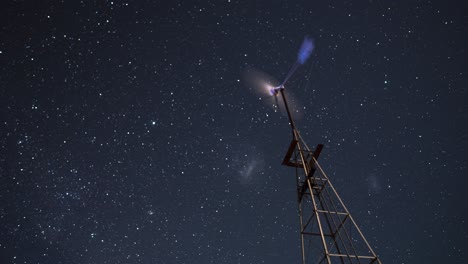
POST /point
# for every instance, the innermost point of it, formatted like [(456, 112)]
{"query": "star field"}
[(128, 134)]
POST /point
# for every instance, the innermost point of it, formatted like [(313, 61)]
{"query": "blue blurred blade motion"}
[(306, 49)]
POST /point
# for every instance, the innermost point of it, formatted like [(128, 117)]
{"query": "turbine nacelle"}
[(275, 90)]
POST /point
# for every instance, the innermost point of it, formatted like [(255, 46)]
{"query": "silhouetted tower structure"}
[(329, 233)]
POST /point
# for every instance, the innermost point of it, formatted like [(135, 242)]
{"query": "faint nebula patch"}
[(373, 184), (248, 164), (247, 171)]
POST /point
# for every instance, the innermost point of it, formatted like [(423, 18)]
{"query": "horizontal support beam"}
[(351, 256), (315, 234), (330, 212)]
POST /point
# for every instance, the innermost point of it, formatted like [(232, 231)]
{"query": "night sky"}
[(128, 134)]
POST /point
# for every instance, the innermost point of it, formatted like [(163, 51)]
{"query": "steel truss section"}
[(329, 233)]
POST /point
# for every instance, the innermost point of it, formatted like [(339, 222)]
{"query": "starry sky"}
[(128, 134)]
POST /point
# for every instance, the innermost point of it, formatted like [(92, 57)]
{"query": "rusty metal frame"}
[(323, 217)]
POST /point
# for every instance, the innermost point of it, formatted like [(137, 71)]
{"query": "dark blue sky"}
[(129, 136)]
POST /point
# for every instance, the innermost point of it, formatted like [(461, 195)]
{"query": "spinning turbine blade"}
[(259, 82), (304, 53), (306, 50), (266, 86)]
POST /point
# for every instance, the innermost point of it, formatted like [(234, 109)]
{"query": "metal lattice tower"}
[(329, 233)]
